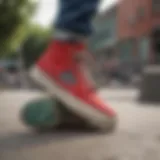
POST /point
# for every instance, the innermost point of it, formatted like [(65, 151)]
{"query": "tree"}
[(14, 19), (34, 44)]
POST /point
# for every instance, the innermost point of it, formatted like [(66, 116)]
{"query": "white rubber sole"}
[(94, 117)]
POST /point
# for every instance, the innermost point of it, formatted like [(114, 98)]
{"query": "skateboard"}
[(46, 114), (42, 114)]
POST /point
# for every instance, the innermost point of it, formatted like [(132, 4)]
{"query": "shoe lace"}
[(85, 63)]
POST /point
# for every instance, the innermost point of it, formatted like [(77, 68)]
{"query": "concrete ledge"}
[(150, 85)]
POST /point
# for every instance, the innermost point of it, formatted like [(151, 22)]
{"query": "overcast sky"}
[(47, 10)]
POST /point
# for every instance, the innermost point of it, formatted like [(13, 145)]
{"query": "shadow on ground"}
[(34, 138)]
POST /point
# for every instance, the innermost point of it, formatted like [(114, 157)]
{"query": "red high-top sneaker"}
[(61, 73)]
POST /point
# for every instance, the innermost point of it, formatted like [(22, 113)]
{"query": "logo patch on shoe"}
[(68, 77)]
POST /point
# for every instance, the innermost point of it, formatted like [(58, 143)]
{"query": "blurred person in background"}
[(61, 68), (12, 77)]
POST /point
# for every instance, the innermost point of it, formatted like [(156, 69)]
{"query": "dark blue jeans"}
[(76, 16)]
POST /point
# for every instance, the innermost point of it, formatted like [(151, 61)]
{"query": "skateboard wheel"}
[(41, 114)]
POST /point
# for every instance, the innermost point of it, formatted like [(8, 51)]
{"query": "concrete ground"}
[(137, 136)]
